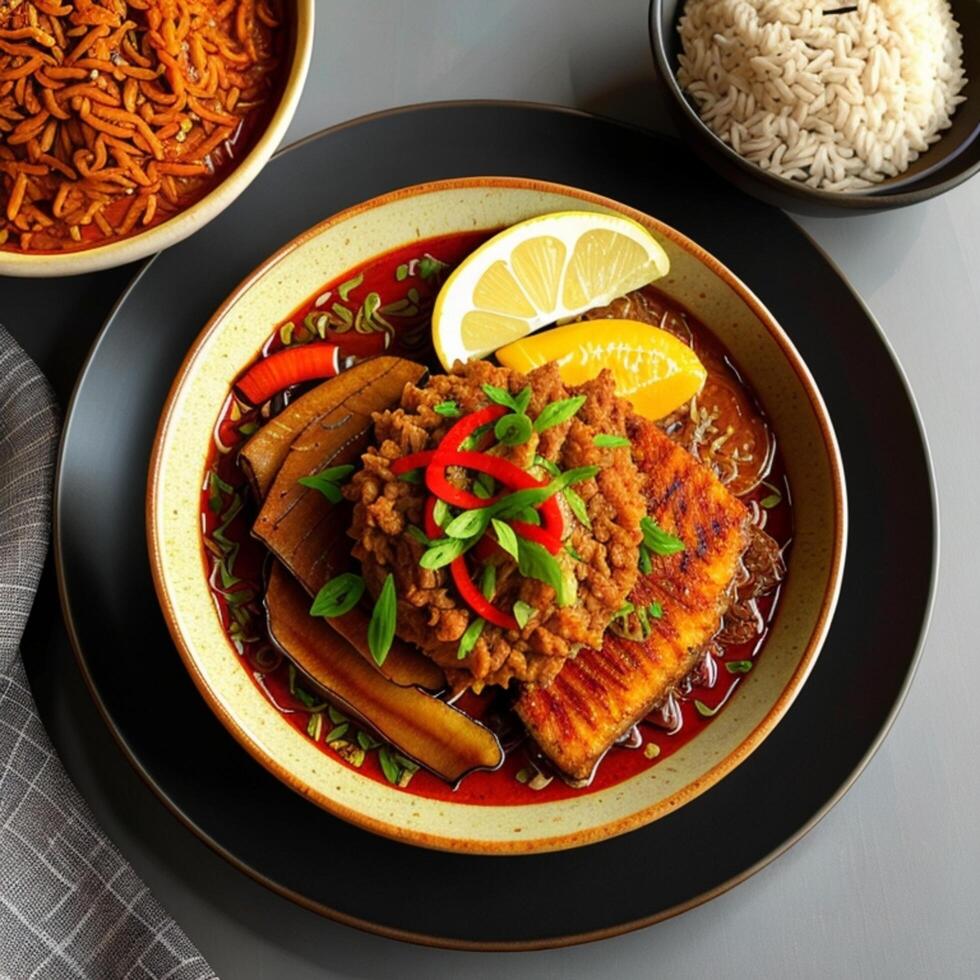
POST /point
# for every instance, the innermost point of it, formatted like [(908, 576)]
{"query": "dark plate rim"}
[(874, 198), (424, 939)]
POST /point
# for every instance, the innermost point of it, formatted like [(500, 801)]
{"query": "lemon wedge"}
[(653, 369), (539, 271)]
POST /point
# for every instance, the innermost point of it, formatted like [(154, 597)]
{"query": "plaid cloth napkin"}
[(70, 905)]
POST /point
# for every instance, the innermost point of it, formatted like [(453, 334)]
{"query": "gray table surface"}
[(888, 884)]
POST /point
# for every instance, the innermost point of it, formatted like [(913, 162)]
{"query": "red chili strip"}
[(475, 599), (286, 368), (413, 461), (531, 532)]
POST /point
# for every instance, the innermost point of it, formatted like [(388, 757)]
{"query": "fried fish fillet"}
[(600, 694)]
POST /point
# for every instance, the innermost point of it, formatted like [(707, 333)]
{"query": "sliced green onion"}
[(381, 629)]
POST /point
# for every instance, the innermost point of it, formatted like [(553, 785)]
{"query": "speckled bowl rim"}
[(198, 214), (597, 832)]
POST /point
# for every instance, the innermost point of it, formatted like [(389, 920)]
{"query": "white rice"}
[(837, 101)]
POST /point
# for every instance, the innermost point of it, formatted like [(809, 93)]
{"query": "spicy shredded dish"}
[(494, 581), (116, 115)]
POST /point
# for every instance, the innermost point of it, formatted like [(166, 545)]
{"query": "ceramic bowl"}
[(233, 338), (946, 164), (198, 214)]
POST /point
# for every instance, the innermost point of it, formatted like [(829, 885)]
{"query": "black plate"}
[(187, 757)]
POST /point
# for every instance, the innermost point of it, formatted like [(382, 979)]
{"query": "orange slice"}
[(653, 369)]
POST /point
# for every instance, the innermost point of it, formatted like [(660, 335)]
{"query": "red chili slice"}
[(531, 532), (431, 528), (413, 461), (468, 423), (475, 599), (286, 368)]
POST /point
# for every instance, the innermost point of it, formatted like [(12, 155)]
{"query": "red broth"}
[(385, 305)]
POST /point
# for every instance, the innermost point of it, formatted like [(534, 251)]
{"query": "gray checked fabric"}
[(70, 905)]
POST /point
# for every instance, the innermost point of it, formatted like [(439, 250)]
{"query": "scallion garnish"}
[(577, 506), (443, 551), (558, 412), (655, 609), (513, 429), (381, 629), (506, 537), (571, 550), (704, 711), (346, 288), (488, 581), (441, 513), (448, 410), (338, 596), (604, 441), (738, 666), (547, 465), (337, 732), (501, 396), (328, 481), (468, 640), (535, 561), (523, 612), (657, 540), (418, 534), (484, 486)]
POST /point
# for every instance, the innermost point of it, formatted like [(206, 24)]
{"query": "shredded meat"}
[(430, 614)]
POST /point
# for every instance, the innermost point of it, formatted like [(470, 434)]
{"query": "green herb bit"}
[(535, 561), (286, 333), (338, 596), (514, 503), (558, 412), (571, 550), (366, 741), (501, 396), (468, 640), (646, 566), (513, 429), (475, 437), (401, 273), (506, 537), (469, 524), (577, 506), (524, 775), (738, 666), (655, 609), (523, 613), (412, 476), (328, 481), (529, 516), (381, 629), (249, 428), (314, 727), (389, 767), (604, 441), (443, 551), (488, 581), (418, 534), (441, 513), (335, 716), (217, 487), (345, 317), (770, 501), (337, 732), (346, 288), (448, 410), (651, 750), (484, 486), (547, 465), (429, 265), (657, 540), (307, 700), (704, 711)]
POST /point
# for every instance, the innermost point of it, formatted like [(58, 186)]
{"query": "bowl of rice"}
[(826, 105)]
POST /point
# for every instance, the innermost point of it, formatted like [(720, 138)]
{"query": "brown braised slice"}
[(372, 385), (600, 694), (329, 426), (433, 733)]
